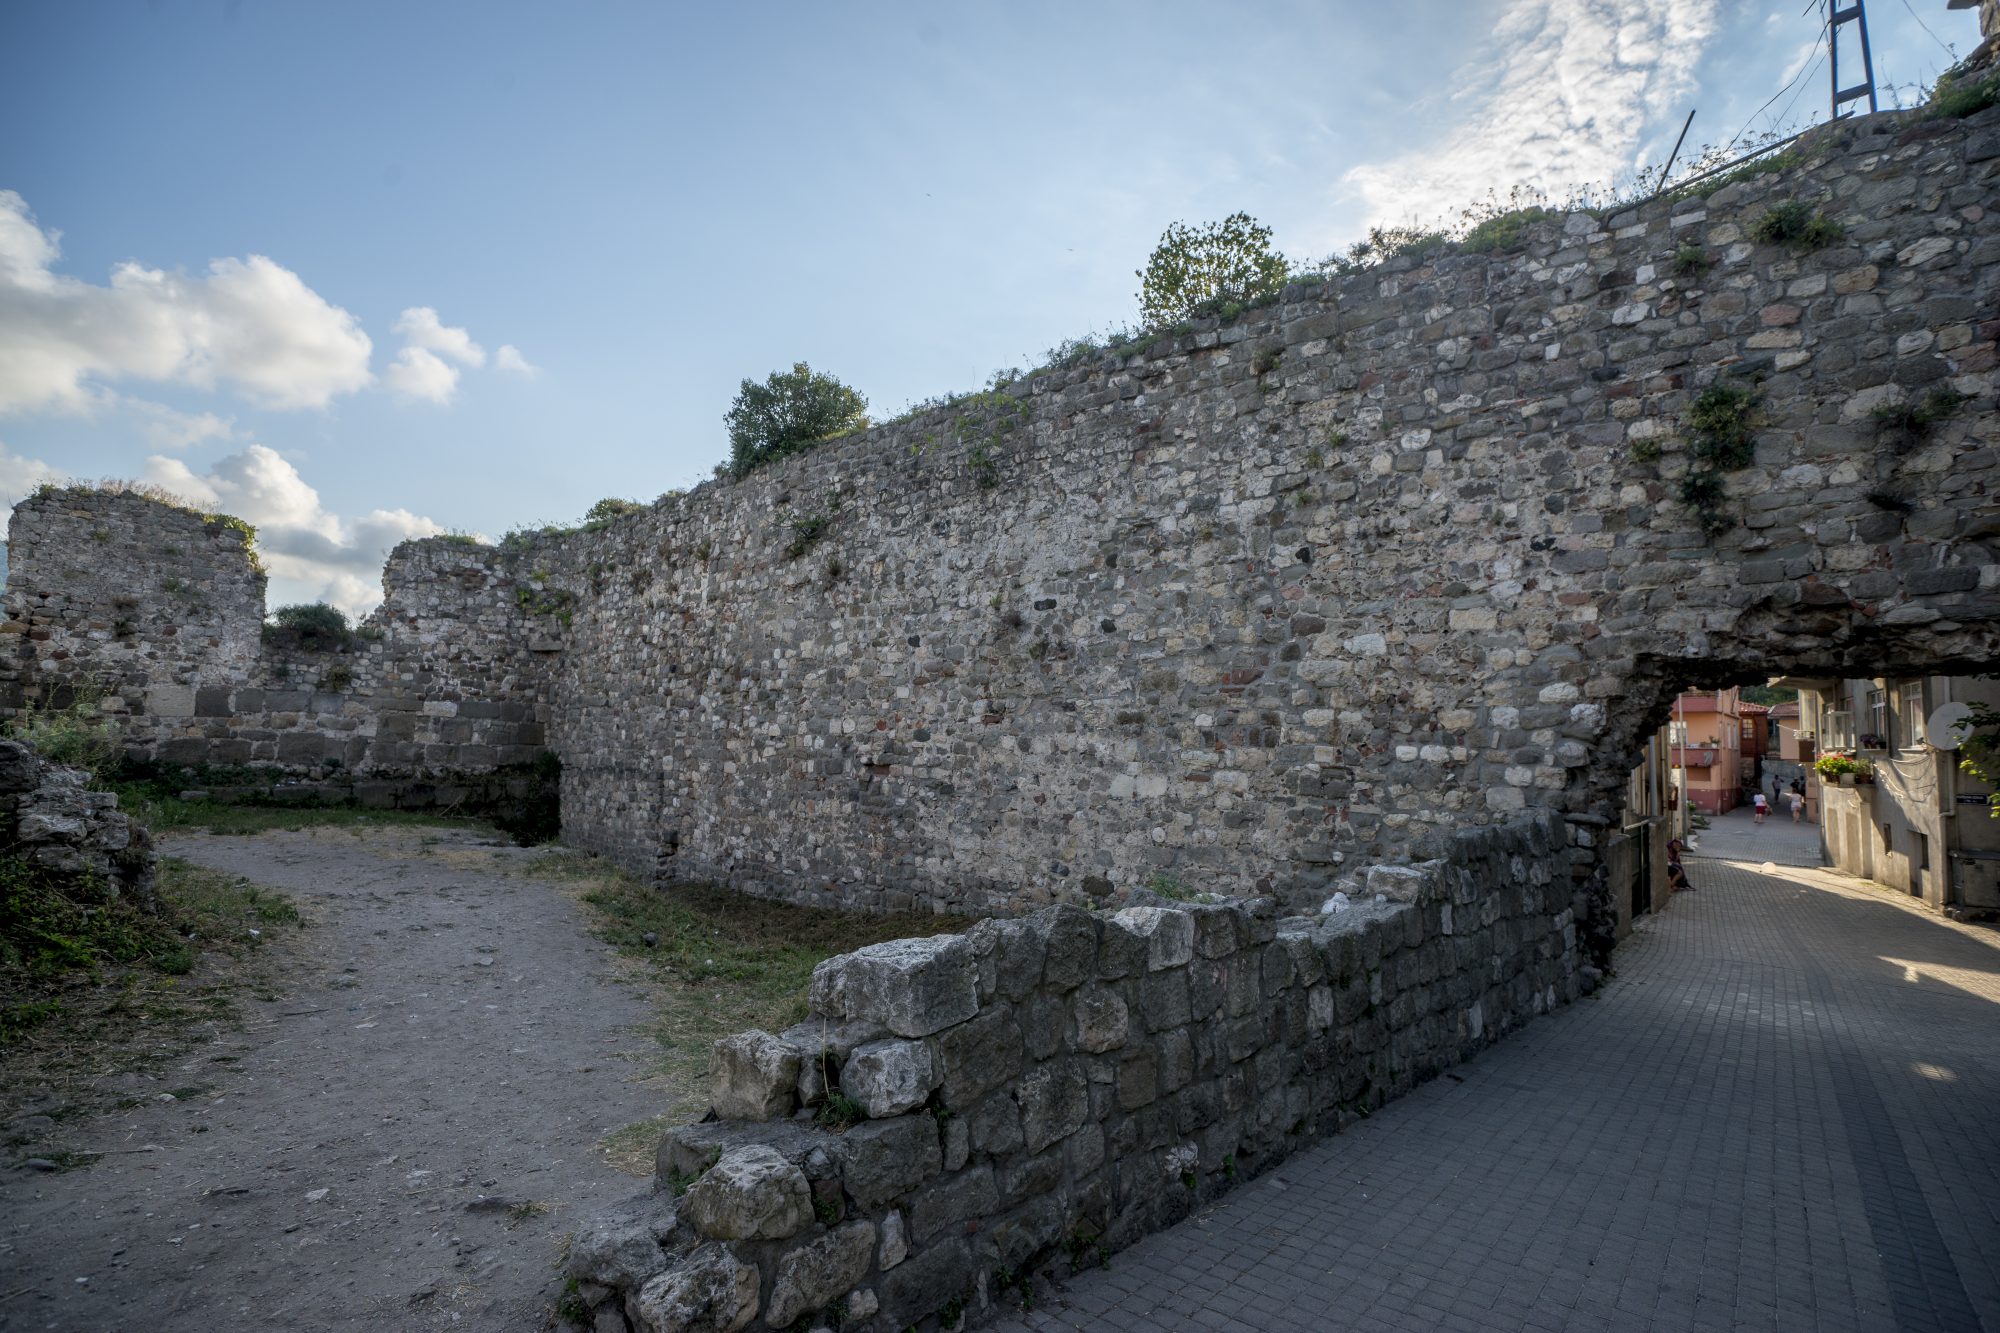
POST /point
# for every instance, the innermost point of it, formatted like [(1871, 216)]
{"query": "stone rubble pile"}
[(50, 819)]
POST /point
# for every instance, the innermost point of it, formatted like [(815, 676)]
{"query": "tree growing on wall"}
[(1202, 270), (791, 411)]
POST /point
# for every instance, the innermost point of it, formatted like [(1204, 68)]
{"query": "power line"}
[(1928, 33), (1785, 115), (1781, 92)]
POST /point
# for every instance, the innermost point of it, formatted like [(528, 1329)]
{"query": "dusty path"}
[(400, 1142)]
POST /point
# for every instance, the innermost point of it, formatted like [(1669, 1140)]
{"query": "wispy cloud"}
[(1568, 103)]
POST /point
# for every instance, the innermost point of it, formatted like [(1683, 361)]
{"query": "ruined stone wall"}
[(160, 611), (1042, 1090), (1262, 601), (1275, 597)]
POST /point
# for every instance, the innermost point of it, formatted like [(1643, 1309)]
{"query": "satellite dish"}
[(1949, 725)]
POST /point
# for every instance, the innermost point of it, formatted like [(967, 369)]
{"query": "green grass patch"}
[(1956, 96), (91, 985), (1504, 231), (161, 812), (1798, 225)]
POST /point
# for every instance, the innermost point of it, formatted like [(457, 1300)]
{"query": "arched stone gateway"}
[(1249, 608)]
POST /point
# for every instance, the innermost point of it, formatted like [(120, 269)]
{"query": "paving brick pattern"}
[(1783, 1113)]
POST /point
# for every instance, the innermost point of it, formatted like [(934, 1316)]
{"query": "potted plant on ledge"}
[(1843, 768)]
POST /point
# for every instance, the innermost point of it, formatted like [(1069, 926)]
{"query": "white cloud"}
[(509, 359), (167, 428), (421, 327), (249, 323), (19, 475), (313, 555), (1576, 84), (422, 374)]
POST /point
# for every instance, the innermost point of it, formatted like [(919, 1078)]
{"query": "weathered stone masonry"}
[(1045, 1089), (1260, 605), (161, 610)]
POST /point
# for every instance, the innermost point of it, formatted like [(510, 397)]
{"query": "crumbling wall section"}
[(1040, 1091), (158, 614)]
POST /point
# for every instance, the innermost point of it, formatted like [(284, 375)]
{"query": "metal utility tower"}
[(1840, 18)]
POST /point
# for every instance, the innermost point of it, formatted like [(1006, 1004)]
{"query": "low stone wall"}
[(50, 820), (1040, 1091)]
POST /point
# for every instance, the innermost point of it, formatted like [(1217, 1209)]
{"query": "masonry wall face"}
[(160, 611), (1296, 593), (1043, 1090), (1267, 602)]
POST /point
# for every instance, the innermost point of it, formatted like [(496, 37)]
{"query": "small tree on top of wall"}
[(791, 411), (1200, 270)]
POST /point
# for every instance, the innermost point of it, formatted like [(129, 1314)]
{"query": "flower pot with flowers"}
[(1843, 768)]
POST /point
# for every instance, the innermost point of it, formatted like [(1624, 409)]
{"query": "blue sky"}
[(364, 270)]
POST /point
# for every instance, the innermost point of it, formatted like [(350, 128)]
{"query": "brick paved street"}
[(1784, 1113)]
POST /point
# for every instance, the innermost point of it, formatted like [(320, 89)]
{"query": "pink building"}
[(1706, 735)]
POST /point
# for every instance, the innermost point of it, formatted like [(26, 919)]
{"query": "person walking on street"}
[(1798, 805), (1762, 806)]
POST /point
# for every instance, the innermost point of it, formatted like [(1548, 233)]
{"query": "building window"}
[(1837, 731), (1910, 713), (1677, 733), (1878, 720), (1923, 851)]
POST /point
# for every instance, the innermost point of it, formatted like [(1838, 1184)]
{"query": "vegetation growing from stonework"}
[(1723, 441), (1199, 270), (161, 495), (1911, 420), (1798, 225), (74, 733), (313, 626), (791, 411), (1958, 94)]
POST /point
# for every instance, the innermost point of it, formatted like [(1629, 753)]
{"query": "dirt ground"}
[(402, 1138)]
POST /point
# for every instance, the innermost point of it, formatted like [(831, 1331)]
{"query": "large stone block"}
[(950, 1200), (1054, 1098), (889, 1077), (712, 1291), (626, 1246), (912, 987), (979, 1056), (753, 1076), (1167, 931), (881, 1160), (752, 1193), (812, 1275), (1102, 1019)]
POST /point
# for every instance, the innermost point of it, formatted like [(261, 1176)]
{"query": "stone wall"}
[(161, 610), (1253, 605), (1042, 1090), (1273, 598), (53, 823)]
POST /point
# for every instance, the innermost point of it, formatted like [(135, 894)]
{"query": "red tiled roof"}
[(1785, 710)]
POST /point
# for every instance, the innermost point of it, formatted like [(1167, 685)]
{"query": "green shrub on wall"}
[(1195, 268), (791, 411)]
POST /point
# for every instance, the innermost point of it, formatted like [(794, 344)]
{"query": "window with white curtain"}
[(1910, 713)]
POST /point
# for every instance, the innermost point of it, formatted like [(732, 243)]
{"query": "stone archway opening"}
[(1854, 731)]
